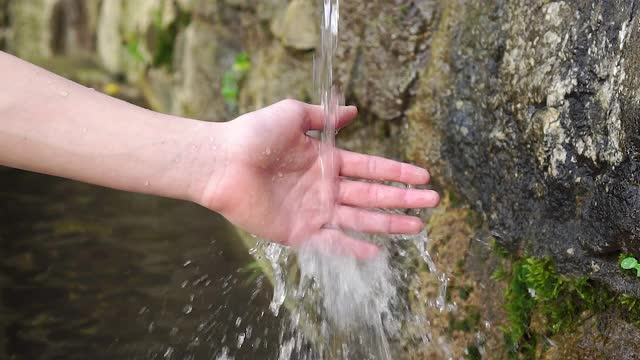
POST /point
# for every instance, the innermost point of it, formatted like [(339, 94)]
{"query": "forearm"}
[(54, 126)]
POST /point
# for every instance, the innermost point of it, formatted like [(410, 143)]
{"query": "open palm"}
[(273, 185)]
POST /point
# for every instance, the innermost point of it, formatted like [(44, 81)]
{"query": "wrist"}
[(203, 183)]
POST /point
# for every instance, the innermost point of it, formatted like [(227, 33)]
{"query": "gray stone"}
[(109, 39), (199, 62), (30, 29), (297, 26), (535, 117), (276, 75)]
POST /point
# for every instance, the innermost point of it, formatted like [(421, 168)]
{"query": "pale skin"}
[(261, 171)]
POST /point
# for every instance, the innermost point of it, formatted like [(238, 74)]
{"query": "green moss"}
[(557, 302), (498, 250)]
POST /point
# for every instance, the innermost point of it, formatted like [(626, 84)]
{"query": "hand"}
[(272, 183)]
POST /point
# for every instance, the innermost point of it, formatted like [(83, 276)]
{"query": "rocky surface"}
[(528, 111), (536, 120)]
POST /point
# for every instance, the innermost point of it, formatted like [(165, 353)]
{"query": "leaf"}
[(133, 48), (629, 263), (242, 63)]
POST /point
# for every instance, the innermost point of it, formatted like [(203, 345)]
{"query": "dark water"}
[(91, 273)]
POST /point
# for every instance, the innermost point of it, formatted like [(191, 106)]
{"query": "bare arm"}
[(261, 171), (51, 125)]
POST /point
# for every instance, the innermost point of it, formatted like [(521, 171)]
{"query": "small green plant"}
[(232, 78), (630, 263), (160, 42), (132, 45)]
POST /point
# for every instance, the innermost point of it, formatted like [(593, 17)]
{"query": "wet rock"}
[(533, 117), (29, 37), (380, 53), (297, 26), (202, 49), (45, 28), (594, 338), (276, 75), (110, 49)]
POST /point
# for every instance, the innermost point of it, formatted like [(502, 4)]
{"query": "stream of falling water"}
[(339, 307)]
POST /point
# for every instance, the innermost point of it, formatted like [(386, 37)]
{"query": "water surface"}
[(93, 273)]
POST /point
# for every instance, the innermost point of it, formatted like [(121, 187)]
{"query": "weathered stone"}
[(52, 27), (72, 26), (275, 75), (297, 27), (603, 336), (382, 48), (532, 123), (30, 36), (110, 49), (202, 53)]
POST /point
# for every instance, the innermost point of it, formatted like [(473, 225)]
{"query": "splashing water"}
[(340, 307)]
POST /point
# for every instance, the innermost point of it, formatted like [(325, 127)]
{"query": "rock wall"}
[(535, 109), (526, 110)]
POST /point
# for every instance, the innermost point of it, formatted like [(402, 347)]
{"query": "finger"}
[(377, 168), (371, 195), (315, 116), (376, 222), (335, 242)]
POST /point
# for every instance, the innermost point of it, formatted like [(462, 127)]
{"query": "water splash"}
[(340, 307)]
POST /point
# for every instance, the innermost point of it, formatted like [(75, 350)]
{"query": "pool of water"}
[(92, 273)]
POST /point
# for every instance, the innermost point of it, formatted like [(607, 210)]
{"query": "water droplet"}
[(64, 93), (169, 353), (184, 284), (280, 174), (187, 263), (241, 340), (173, 332), (147, 183), (238, 321), (187, 309), (151, 327), (268, 151), (196, 341)]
